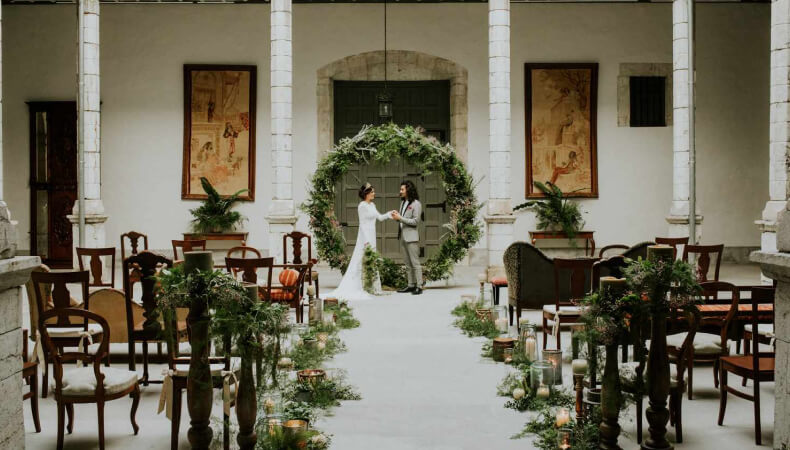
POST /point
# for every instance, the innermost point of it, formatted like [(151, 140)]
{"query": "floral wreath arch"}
[(381, 144)]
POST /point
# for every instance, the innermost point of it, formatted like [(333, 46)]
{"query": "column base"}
[(776, 265), (679, 226), (279, 226), (499, 235)]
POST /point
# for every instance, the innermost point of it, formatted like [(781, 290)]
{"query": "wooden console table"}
[(589, 241)]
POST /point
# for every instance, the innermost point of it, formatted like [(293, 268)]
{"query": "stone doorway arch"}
[(402, 65)]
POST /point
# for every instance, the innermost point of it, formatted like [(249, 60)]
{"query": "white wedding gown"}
[(351, 287)]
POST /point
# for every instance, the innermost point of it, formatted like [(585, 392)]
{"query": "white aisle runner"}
[(423, 383)]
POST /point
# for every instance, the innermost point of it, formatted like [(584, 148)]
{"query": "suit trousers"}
[(411, 256)]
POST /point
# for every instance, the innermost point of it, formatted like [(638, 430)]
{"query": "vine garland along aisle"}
[(381, 144)]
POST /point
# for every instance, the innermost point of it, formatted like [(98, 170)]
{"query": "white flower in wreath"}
[(318, 441)]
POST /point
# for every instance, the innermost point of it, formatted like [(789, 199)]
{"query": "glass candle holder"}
[(541, 378), (528, 341), (555, 358), (500, 318), (564, 438), (507, 355)]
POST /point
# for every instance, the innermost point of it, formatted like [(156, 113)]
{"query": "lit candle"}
[(543, 391), (531, 348), (501, 324), (563, 417), (579, 366)]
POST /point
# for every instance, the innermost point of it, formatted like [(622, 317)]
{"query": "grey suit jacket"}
[(409, 221)]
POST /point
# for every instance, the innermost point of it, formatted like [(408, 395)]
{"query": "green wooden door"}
[(420, 103)]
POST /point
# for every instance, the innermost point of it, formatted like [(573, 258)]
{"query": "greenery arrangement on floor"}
[(288, 397), (471, 323), (381, 144), (260, 332)]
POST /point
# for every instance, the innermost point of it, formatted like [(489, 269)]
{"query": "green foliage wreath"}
[(381, 144)]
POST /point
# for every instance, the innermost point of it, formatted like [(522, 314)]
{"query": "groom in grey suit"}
[(408, 217)]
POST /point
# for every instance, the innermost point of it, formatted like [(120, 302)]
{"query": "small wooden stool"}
[(496, 283)]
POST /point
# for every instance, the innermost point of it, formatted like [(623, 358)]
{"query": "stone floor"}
[(424, 386)]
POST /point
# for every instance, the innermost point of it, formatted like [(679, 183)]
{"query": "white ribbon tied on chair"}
[(38, 350), (226, 377), (84, 335), (166, 397), (556, 327)]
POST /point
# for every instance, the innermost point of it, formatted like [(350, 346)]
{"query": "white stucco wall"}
[(145, 46)]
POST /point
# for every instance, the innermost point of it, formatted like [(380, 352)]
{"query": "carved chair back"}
[(242, 252), (146, 264), (296, 238), (134, 243), (673, 242), (576, 273), (704, 254), (248, 268), (60, 296), (96, 265), (721, 325), (187, 246)]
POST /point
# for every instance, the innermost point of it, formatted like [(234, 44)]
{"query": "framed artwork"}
[(219, 129), (560, 109)]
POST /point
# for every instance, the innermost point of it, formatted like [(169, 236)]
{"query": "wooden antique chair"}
[(703, 254), (81, 384), (529, 278), (246, 269), (610, 248), (134, 243), (759, 366), (51, 293), (147, 264), (96, 265), (187, 246), (572, 281), (133, 238), (291, 288), (242, 252), (765, 328), (632, 373), (30, 376), (296, 238), (711, 340), (673, 242), (178, 371)]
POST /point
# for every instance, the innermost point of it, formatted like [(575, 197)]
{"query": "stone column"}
[(779, 141), (282, 215), (678, 213), (88, 126), (777, 266), (499, 218), (8, 237), (14, 272)]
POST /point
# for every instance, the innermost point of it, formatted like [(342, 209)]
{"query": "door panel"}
[(421, 103), (53, 184)]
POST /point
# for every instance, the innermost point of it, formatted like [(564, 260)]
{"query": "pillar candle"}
[(543, 391), (199, 260), (616, 286), (579, 366), (563, 417), (531, 348)]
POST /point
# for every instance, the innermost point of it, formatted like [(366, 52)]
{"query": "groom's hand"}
[(395, 215)]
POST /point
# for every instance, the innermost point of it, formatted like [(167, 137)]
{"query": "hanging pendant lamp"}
[(385, 98)]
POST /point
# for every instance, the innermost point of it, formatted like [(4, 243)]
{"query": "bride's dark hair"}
[(364, 190)]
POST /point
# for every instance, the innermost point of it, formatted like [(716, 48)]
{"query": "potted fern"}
[(556, 212), (215, 215)]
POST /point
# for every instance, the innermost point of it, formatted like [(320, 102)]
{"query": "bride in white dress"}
[(351, 286)]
